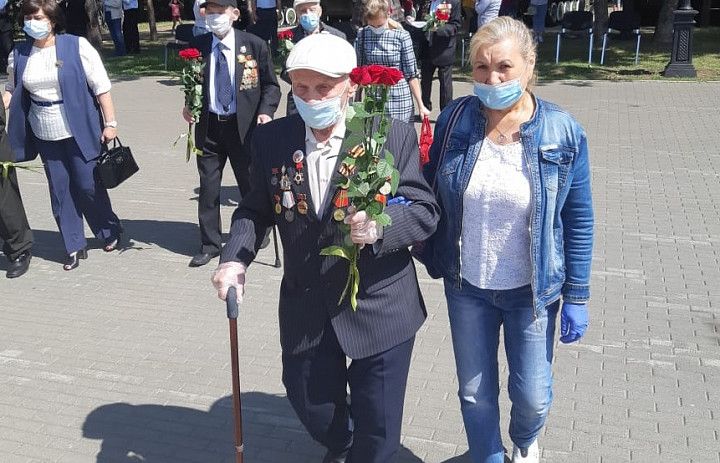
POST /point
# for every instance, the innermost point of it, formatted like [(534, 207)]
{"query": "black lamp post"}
[(680, 64)]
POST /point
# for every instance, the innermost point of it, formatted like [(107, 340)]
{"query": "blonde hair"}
[(501, 28), (375, 8)]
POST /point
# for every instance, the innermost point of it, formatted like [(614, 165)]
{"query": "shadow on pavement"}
[(177, 237), (168, 434)]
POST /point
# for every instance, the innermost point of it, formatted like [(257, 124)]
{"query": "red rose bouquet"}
[(438, 19), (285, 43), (191, 77), (368, 169)]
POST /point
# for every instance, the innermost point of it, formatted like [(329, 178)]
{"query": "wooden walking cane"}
[(232, 314), (277, 254)]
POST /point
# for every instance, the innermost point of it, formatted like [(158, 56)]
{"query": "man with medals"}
[(296, 189)]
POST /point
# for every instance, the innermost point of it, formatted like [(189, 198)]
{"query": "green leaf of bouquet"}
[(337, 251), (364, 188), (389, 158), (374, 209), (394, 181), (361, 112), (355, 125), (384, 169), (350, 113), (354, 139), (379, 138), (383, 220)]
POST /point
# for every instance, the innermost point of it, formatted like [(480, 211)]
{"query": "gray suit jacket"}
[(390, 307)]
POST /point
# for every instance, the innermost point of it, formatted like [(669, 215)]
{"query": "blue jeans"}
[(115, 27), (476, 316)]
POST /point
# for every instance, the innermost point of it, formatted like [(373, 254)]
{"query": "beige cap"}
[(296, 3), (323, 53)]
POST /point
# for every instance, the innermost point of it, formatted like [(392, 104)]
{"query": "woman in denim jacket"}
[(512, 176)]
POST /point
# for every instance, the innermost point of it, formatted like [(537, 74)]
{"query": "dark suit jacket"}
[(262, 99), (390, 307), (440, 50)]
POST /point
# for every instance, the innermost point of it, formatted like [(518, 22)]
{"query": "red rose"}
[(375, 71), (361, 76), (287, 34), (390, 76), (382, 199), (190, 54), (442, 15)]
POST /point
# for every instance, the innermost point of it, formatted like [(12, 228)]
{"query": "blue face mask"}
[(309, 21), (322, 114), (499, 96), (37, 29)]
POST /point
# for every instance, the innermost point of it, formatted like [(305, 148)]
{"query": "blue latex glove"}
[(573, 322), (399, 200)]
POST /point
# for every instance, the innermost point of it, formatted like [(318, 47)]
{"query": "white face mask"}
[(218, 24)]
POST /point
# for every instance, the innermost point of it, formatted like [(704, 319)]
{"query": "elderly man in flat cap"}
[(297, 160), (309, 13), (240, 91)]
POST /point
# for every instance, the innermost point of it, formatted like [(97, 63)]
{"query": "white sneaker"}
[(532, 455)]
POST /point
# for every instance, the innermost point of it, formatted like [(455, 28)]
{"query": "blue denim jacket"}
[(561, 220)]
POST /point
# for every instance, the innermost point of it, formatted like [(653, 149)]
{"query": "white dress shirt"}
[(321, 159), (229, 52), (495, 244), (41, 81)]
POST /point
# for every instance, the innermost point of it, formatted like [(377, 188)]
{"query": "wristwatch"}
[(111, 124)]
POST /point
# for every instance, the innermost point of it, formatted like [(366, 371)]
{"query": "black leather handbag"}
[(115, 165)]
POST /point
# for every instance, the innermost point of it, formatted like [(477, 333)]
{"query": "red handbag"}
[(426, 139)]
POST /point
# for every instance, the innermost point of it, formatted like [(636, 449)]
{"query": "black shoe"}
[(112, 243), (19, 266), (73, 260), (335, 457), (203, 258)]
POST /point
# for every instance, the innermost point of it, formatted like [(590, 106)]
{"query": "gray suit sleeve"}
[(416, 222)]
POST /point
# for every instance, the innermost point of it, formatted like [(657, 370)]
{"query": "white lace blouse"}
[(495, 243)]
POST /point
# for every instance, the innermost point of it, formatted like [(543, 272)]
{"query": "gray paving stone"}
[(127, 357)]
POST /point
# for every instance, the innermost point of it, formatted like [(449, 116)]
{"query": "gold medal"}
[(278, 208), (302, 207), (339, 215)]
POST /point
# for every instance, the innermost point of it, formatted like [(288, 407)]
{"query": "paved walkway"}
[(126, 359)]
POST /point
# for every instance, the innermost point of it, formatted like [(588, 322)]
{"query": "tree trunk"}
[(600, 8), (151, 21), (664, 29), (93, 32)]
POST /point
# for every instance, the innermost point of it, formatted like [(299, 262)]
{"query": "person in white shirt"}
[(58, 115), (199, 27)]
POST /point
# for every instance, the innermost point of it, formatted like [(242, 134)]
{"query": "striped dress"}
[(392, 48)]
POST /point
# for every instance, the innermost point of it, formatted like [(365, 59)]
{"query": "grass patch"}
[(620, 58)]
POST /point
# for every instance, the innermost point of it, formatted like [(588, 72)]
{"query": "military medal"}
[(278, 207), (341, 199), (284, 180), (298, 157), (273, 180), (289, 215), (339, 215), (288, 201), (302, 205)]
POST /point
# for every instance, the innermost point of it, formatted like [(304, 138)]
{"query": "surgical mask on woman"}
[(322, 114), (309, 21), (499, 96), (218, 24), (37, 29), (378, 29)]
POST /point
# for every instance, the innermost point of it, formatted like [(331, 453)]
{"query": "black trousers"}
[(266, 27), (316, 382), (221, 143), (14, 228), (131, 35), (6, 40), (427, 71)]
